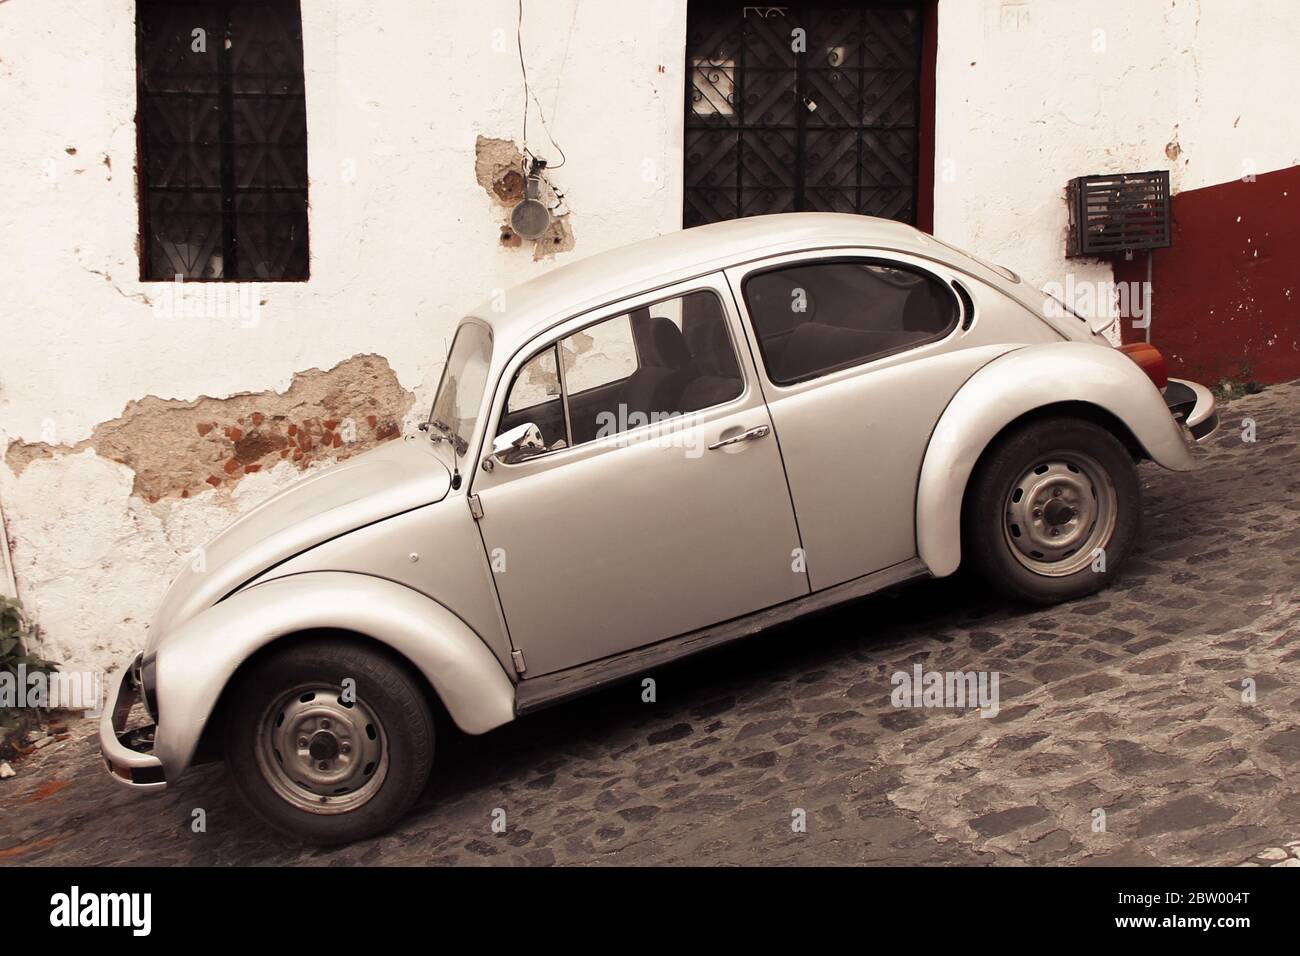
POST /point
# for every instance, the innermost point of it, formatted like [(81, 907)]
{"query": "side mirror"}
[(518, 444)]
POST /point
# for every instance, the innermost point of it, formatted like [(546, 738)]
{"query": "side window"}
[(820, 317), (599, 355), (657, 362)]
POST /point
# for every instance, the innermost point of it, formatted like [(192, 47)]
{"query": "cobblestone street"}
[(1122, 737)]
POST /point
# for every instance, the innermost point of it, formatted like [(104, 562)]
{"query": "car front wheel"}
[(1053, 510), (329, 741)]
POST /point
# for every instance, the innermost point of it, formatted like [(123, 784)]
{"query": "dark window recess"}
[(820, 317), (223, 140), (831, 126)]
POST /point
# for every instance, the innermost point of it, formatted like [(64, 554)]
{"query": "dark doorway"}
[(804, 106)]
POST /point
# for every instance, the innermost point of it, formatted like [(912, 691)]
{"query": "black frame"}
[(244, 175)]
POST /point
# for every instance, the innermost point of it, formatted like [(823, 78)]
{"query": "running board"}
[(535, 693)]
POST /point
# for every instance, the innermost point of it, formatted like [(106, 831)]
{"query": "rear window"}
[(819, 317)]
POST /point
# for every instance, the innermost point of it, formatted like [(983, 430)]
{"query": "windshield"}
[(460, 393)]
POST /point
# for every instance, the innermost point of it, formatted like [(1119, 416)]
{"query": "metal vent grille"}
[(1121, 213)]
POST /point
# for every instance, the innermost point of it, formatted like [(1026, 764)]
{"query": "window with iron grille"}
[(802, 106), (223, 139)]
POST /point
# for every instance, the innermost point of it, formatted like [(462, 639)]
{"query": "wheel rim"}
[(1059, 512), (320, 753)]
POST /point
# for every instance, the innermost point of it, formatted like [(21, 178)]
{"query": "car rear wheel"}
[(329, 741), (1053, 510)]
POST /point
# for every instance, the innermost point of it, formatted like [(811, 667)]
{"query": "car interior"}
[(683, 363), (815, 318)]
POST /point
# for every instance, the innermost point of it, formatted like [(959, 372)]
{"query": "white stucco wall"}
[(397, 90), (403, 237), (1032, 93)]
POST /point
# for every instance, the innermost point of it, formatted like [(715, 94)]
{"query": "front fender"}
[(195, 662), (1011, 386)]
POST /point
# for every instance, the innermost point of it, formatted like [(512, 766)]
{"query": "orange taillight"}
[(1149, 359)]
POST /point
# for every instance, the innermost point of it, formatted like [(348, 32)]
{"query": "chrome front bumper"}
[(128, 754), (1193, 405)]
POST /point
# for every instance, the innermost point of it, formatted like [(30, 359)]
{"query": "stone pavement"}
[(1125, 733)]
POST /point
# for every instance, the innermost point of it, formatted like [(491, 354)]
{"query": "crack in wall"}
[(180, 448)]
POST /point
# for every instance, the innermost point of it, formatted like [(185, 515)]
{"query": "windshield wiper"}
[(441, 430), (459, 446), (447, 433)]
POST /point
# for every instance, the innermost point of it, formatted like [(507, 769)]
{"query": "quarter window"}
[(535, 397), (640, 367), (815, 318)]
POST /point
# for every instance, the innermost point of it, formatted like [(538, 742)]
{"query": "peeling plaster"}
[(180, 448), (1173, 149), (498, 167), (404, 238)]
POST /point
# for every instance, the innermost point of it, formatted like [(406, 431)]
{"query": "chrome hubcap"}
[(320, 753), (1059, 512)]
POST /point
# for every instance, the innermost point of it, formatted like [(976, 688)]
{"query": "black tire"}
[(993, 540), (390, 721)]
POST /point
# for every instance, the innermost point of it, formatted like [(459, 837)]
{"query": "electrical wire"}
[(519, 41)]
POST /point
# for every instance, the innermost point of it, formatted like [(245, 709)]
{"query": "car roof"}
[(531, 307)]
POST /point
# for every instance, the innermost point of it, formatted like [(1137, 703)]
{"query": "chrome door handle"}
[(758, 431)]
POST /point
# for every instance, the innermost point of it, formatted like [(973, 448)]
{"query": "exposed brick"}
[(174, 446)]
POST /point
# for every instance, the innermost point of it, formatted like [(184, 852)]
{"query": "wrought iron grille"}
[(223, 139), (777, 121), (1126, 212)]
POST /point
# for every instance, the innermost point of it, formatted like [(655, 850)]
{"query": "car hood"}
[(377, 484)]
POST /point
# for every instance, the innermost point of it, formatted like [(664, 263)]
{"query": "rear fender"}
[(1012, 386)]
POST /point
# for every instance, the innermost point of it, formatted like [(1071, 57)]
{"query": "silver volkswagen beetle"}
[(631, 459)]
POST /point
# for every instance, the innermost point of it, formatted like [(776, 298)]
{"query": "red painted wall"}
[(1226, 295)]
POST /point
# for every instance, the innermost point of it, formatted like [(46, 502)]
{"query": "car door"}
[(658, 504), (860, 352)]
